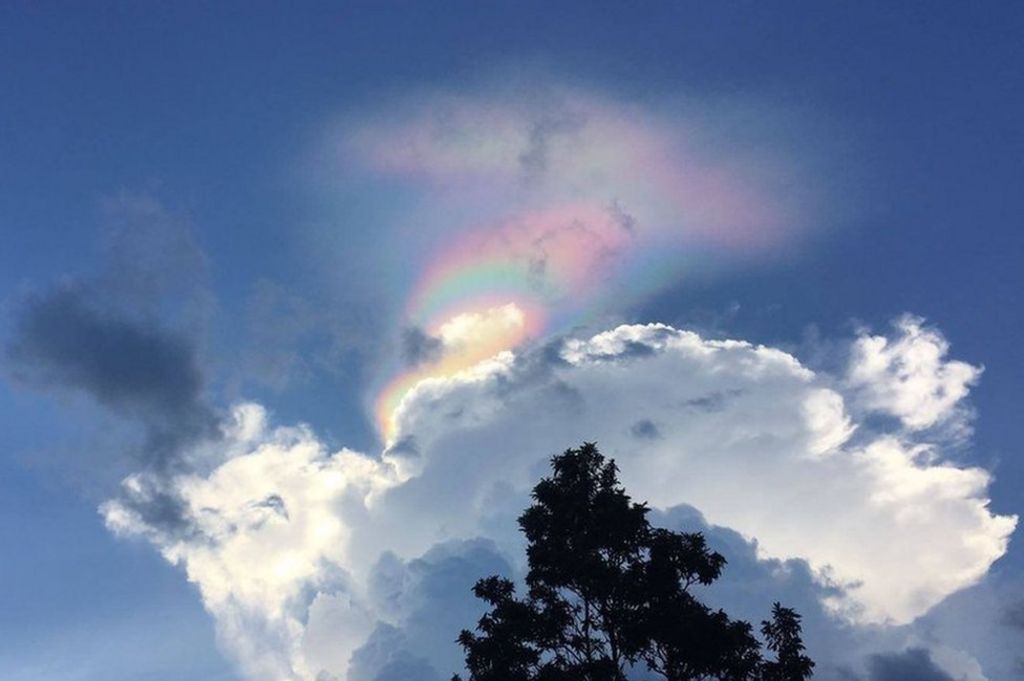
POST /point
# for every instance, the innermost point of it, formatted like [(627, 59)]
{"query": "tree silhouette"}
[(608, 593)]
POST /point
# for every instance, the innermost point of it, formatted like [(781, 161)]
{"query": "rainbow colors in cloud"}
[(465, 340), (496, 287), (541, 207), (542, 257)]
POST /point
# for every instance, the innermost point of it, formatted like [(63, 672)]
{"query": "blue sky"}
[(187, 175)]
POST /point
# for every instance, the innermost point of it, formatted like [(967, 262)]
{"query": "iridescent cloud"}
[(564, 205)]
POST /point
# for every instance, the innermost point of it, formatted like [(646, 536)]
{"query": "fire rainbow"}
[(577, 208)]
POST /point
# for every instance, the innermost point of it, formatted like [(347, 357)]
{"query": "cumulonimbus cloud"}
[(285, 538)]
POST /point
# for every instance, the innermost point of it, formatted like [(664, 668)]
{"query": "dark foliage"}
[(608, 593), (782, 637)]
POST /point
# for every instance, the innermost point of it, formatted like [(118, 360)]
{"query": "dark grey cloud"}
[(631, 349), (405, 447), (275, 504), (534, 366), (624, 219), (912, 664), (536, 156), (419, 347), (384, 657), (162, 510), (430, 600), (645, 429), (427, 601), (62, 339), (123, 335), (749, 585), (1013, 615), (407, 668), (711, 402)]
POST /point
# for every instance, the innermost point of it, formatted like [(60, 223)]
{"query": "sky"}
[(296, 302)]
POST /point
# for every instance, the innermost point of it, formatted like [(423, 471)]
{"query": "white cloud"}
[(282, 537), (909, 376), (264, 537), (472, 327), (747, 435)]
